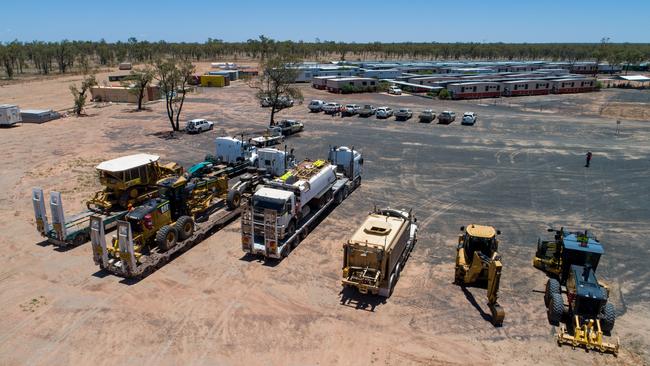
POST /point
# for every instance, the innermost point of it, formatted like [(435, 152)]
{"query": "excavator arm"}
[(493, 265)]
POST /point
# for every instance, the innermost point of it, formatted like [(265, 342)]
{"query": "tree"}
[(79, 94), (174, 78), (64, 54), (276, 82), (137, 82)]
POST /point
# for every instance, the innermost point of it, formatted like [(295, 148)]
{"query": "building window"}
[(364, 83), (462, 89), (372, 83)]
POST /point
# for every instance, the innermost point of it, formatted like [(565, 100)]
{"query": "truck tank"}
[(309, 179)]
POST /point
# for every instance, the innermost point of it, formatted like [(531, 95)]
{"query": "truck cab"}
[(233, 151)]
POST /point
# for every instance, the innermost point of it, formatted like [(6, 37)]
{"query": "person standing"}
[(588, 159)]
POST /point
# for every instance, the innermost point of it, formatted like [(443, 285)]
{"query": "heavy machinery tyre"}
[(234, 199), (184, 227), (552, 287), (166, 238), (555, 309), (339, 197), (607, 318)]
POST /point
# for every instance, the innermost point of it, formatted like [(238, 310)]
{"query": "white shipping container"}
[(9, 115)]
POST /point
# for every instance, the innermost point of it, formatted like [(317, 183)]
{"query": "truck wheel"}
[(185, 227), (166, 238), (607, 317), (339, 197), (555, 309), (391, 283), (552, 287), (234, 199)]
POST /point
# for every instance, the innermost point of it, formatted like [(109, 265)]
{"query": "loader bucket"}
[(125, 242), (40, 214), (98, 241)]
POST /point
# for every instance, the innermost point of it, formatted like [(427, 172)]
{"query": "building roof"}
[(481, 231), (639, 78), (127, 162)]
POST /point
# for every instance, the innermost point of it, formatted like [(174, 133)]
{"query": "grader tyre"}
[(166, 238), (552, 287), (234, 199), (185, 227), (607, 318), (555, 309)]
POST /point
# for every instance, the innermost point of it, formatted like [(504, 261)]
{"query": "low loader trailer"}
[(70, 231), (376, 254), (283, 211)]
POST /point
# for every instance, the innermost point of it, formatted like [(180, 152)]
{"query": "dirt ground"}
[(520, 168)]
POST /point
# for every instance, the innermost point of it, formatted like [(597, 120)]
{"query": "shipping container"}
[(9, 115)]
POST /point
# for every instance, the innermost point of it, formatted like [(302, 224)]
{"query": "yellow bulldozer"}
[(478, 263), (129, 180)]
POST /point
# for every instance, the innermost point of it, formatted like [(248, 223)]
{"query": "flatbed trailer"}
[(267, 247), (132, 265), (70, 231)]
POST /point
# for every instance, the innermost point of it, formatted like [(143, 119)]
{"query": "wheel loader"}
[(129, 180), (570, 261), (478, 263)]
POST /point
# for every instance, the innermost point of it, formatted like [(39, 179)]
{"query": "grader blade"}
[(588, 336), (58, 218), (125, 243), (42, 225), (98, 241)]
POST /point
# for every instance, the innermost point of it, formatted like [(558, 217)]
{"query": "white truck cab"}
[(232, 151)]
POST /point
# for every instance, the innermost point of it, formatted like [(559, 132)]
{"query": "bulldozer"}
[(129, 180), (478, 263), (570, 261)]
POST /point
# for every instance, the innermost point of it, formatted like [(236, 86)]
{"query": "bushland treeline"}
[(60, 57)]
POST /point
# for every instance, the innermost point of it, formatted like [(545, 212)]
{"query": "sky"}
[(333, 20)]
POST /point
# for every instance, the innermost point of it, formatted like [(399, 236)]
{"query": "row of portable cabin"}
[(488, 89)]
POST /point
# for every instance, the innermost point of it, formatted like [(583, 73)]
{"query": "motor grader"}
[(161, 222), (570, 261), (129, 180), (478, 263)]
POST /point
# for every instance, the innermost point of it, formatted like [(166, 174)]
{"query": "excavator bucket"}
[(588, 336), (125, 243), (494, 277), (98, 241), (40, 214), (58, 218)]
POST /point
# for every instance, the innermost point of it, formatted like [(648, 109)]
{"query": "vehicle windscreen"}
[(262, 203), (482, 245)]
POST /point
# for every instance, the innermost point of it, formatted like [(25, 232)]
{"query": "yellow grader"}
[(129, 180)]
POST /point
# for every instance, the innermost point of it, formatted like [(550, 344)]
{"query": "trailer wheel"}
[(166, 238), (185, 227), (555, 309), (607, 317), (552, 287), (234, 199)]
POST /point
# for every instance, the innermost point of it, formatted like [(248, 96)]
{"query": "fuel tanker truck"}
[(283, 210), (375, 255)]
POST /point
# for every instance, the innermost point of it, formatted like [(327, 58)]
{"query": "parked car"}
[(384, 112), (367, 110), (199, 125), (447, 117), (316, 105), (332, 108), (394, 90), (290, 126), (469, 118), (427, 116), (403, 114), (350, 109)]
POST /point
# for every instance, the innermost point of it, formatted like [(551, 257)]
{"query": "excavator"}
[(478, 263)]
